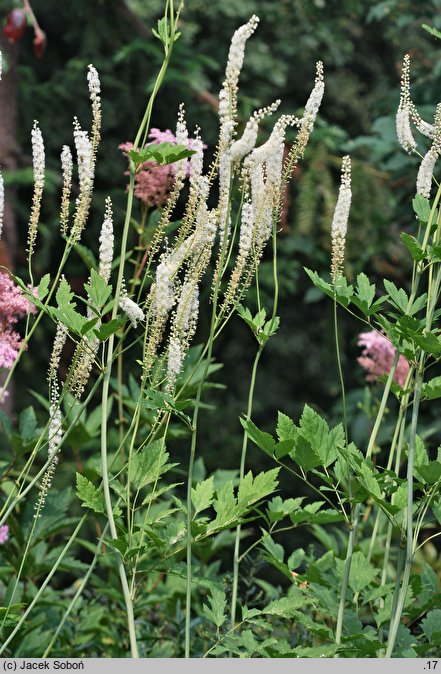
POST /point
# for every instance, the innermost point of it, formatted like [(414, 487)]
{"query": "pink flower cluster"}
[(4, 534), (13, 306), (153, 183), (378, 355)]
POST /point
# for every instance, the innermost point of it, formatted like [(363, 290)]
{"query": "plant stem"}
[(354, 523), (44, 584), (77, 595), (396, 618), (340, 370), (236, 560)]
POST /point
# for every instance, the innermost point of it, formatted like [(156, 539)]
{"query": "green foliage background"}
[(361, 44)]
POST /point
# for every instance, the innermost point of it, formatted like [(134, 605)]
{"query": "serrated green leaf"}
[(432, 389), (421, 207), (202, 495), (430, 473), (319, 282), (286, 428), (362, 572), (215, 612), (147, 465), (413, 247), (275, 549), (43, 286), (97, 289), (90, 496), (365, 291), (429, 342), (286, 606), (263, 440), (27, 424), (107, 329), (398, 297), (431, 625)]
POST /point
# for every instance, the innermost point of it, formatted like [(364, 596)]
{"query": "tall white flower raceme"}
[(83, 148), (94, 84), (340, 220), (132, 310), (428, 163), (404, 131), (228, 93), (38, 161), (197, 159), (182, 330), (315, 99), (246, 143), (66, 168), (106, 242)]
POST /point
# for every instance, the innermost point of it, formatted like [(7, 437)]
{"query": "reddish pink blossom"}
[(153, 183), (378, 355), (13, 306), (4, 534)]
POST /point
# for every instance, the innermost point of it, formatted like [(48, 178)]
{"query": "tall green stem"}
[(191, 467), (355, 518), (409, 519), (236, 560)]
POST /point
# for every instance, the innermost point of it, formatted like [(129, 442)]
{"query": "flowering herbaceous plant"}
[(159, 551)]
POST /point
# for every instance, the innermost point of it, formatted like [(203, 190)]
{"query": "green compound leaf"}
[(149, 464), (413, 247), (431, 626), (362, 572), (432, 389), (263, 440), (202, 495), (161, 153), (215, 612), (365, 291), (97, 289), (421, 207), (397, 297), (90, 496)]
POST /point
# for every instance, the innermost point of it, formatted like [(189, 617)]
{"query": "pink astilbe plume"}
[(153, 183), (4, 534), (13, 306), (377, 357)]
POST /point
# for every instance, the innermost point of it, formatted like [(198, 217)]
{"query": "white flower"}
[(425, 173), (314, 101), (38, 156), (341, 214), (131, 309), (196, 160), (246, 229), (340, 220), (237, 50), (83, 147), (55, 423), (404, 132), (93, 81), (246, 143), (106, 243), (163, 292), (174, 362)]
